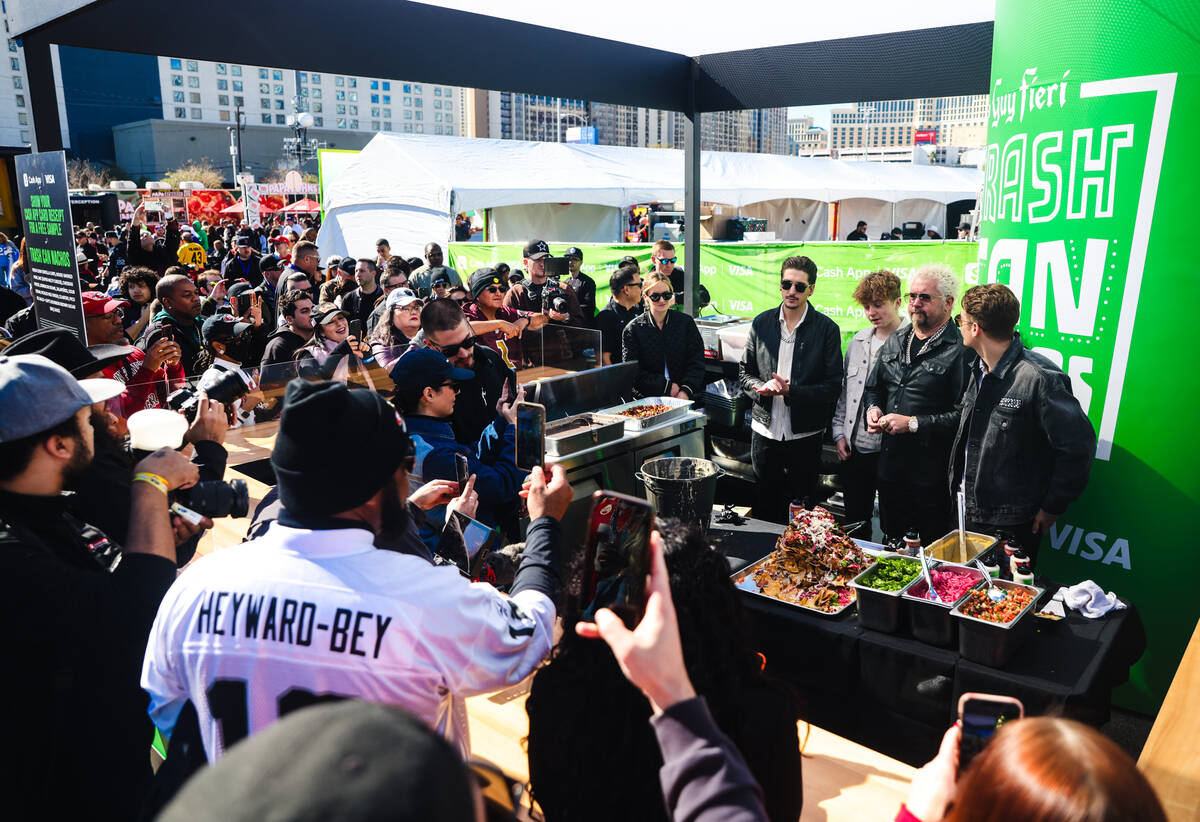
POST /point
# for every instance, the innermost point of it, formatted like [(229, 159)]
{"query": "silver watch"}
[(912, 425)]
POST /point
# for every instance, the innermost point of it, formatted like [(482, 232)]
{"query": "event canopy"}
[(305, 206), (407, 186), (240, 207)]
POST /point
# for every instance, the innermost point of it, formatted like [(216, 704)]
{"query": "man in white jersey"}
[(311, 611)]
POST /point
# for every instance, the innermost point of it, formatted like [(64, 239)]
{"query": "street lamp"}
[(299, 147), (868, 111)]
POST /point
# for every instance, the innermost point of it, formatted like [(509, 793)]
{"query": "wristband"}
[(152, 479)]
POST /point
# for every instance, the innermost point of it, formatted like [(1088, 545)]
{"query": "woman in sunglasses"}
[(496, 325), (665, 344)]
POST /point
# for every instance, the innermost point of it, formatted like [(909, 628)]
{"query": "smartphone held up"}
[(982, 715), (616, 556)]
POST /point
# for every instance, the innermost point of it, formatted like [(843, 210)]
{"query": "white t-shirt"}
[(252, 632)]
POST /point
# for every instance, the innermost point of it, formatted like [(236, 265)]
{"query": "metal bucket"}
[(682, 487)]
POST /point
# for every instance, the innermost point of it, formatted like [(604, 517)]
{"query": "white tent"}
[(406, 188)]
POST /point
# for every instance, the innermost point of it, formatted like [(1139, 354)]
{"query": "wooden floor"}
[(842, 780), (1171, 757)]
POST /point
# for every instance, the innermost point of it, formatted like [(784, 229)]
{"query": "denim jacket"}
[(1022, 440)]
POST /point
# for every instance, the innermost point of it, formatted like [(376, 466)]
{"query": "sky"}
[(820, 114)]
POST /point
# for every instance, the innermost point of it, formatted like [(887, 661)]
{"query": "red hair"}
[(1054, 770)]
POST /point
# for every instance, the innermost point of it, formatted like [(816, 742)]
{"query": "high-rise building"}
[(806, 138), (210, 92), (957, 121), (513, 116), (16, 121)]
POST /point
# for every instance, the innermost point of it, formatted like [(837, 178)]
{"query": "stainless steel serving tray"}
[(677, 408), (566, 436), (744, 580)]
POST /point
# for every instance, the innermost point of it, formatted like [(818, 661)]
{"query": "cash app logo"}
[(1070, 187)]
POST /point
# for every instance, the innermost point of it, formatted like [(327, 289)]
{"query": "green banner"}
[(743, 279), (1094, 111)]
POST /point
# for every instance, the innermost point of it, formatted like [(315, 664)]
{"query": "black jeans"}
[(785, 471), (905, 504), (1021, 532), (860, 480)]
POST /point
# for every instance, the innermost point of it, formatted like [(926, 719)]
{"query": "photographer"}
[(227, 345), (76, 735), (559, 302), (102, 490)]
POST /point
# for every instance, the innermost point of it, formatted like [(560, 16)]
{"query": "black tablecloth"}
[(898, 695)]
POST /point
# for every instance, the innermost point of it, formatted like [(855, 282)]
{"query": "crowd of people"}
[(384, 374)]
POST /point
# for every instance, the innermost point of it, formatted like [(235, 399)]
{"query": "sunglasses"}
[(496, 289), (921, 298), (788, 285), (665, 260), (451, 384), (459, 300), (660, 296), (451, 350), (394, 286)]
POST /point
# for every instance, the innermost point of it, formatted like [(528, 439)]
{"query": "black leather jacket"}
[(930, 390), (677, 345), (816, 377), (1022, 439)]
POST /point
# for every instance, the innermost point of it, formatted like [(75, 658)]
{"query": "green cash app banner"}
[(1091, 169), (743, 280)]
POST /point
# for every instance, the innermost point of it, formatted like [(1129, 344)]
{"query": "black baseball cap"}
[(270, 262), (326, 312), (222, 326), (347, 264), (536, 250), (243, 239), (573, 253)]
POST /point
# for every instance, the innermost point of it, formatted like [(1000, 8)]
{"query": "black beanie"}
[(336, 448)]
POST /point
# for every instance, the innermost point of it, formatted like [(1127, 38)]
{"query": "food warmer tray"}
[(575, 433), (744, 580), (676, 408)]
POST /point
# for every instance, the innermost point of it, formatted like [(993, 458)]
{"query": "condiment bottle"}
[(912, 543), (990, 567), (1016, 559), (796, 508), (1010, 546), (1022, 572)]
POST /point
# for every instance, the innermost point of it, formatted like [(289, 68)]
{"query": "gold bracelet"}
[(152, 479)]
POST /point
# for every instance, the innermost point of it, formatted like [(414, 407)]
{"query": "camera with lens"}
[(553, 296), (226, 388), (216, 498)]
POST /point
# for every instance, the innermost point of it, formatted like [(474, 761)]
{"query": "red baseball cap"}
[(95, 303)]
